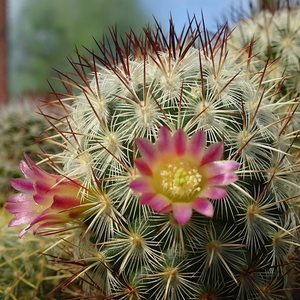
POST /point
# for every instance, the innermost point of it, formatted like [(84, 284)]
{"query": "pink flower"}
[(179, 175), (45, 198)]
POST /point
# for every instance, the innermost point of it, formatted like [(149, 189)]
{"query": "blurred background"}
[(38, 36)]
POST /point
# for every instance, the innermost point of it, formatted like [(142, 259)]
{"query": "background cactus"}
[(21, 125), (274, 37), (25, 273), (249, 248)]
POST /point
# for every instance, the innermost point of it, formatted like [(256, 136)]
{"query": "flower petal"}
[(43, 200), (182, 212), (24, 231), (220, 167), (143, 167), (147, 149), (49, 216), (21, 207), (197, 144), (63, 203), (166, 209), (44, 187), (141, 185), (180, 141), (22, 185), (214, 192), (204, 207), (147, 197), (213, 153), (223, 179), (159, 203), (46, 224), (28, 173), (35, 172), (19, 198), (26, 218), (164, 140)]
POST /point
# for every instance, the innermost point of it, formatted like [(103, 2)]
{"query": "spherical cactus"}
[(25, 273), (183, 169), (21, 125), (271, 36)]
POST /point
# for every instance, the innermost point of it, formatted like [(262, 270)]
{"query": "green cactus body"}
[(248, 249), (20, 127), (25, 273)]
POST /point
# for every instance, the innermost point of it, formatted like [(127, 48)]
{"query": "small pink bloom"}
[(178, 174), (45, 199)]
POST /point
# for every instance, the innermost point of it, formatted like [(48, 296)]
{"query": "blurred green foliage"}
[(45, 33)]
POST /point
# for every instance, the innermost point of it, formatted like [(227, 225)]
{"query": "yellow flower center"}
[(180, 182)]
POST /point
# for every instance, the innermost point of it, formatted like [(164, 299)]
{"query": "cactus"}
[(275, 37), (25, 273), (20, 128), (186, 169)]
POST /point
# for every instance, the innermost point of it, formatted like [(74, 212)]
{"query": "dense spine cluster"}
[(144, 103)]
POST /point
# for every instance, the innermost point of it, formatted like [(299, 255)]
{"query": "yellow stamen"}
[(180, 182)]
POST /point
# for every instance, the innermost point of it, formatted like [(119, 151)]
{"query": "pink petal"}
[(27, 218), (48, 217), (213, 153), (164, 140), (166, 209), (24, 231), (147, 149), (29, 160), (159, 203), (63, 203), (223, 179), (141, 185), (75, 184), (180, 141), (182, 212), (21, 207), (44, 200), (19, 198), (143, 167), (36, 171), (45, 187), (220, 167), (22, 185), (147, 197), (204, 207), (42, 175), (28, 173), (214, 192), (47, 224), (197, 144)]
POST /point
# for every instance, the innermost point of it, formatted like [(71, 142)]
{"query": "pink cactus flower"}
[(45, 199), (177, 174)]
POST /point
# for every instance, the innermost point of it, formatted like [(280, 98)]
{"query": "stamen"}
[(180, 181)]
